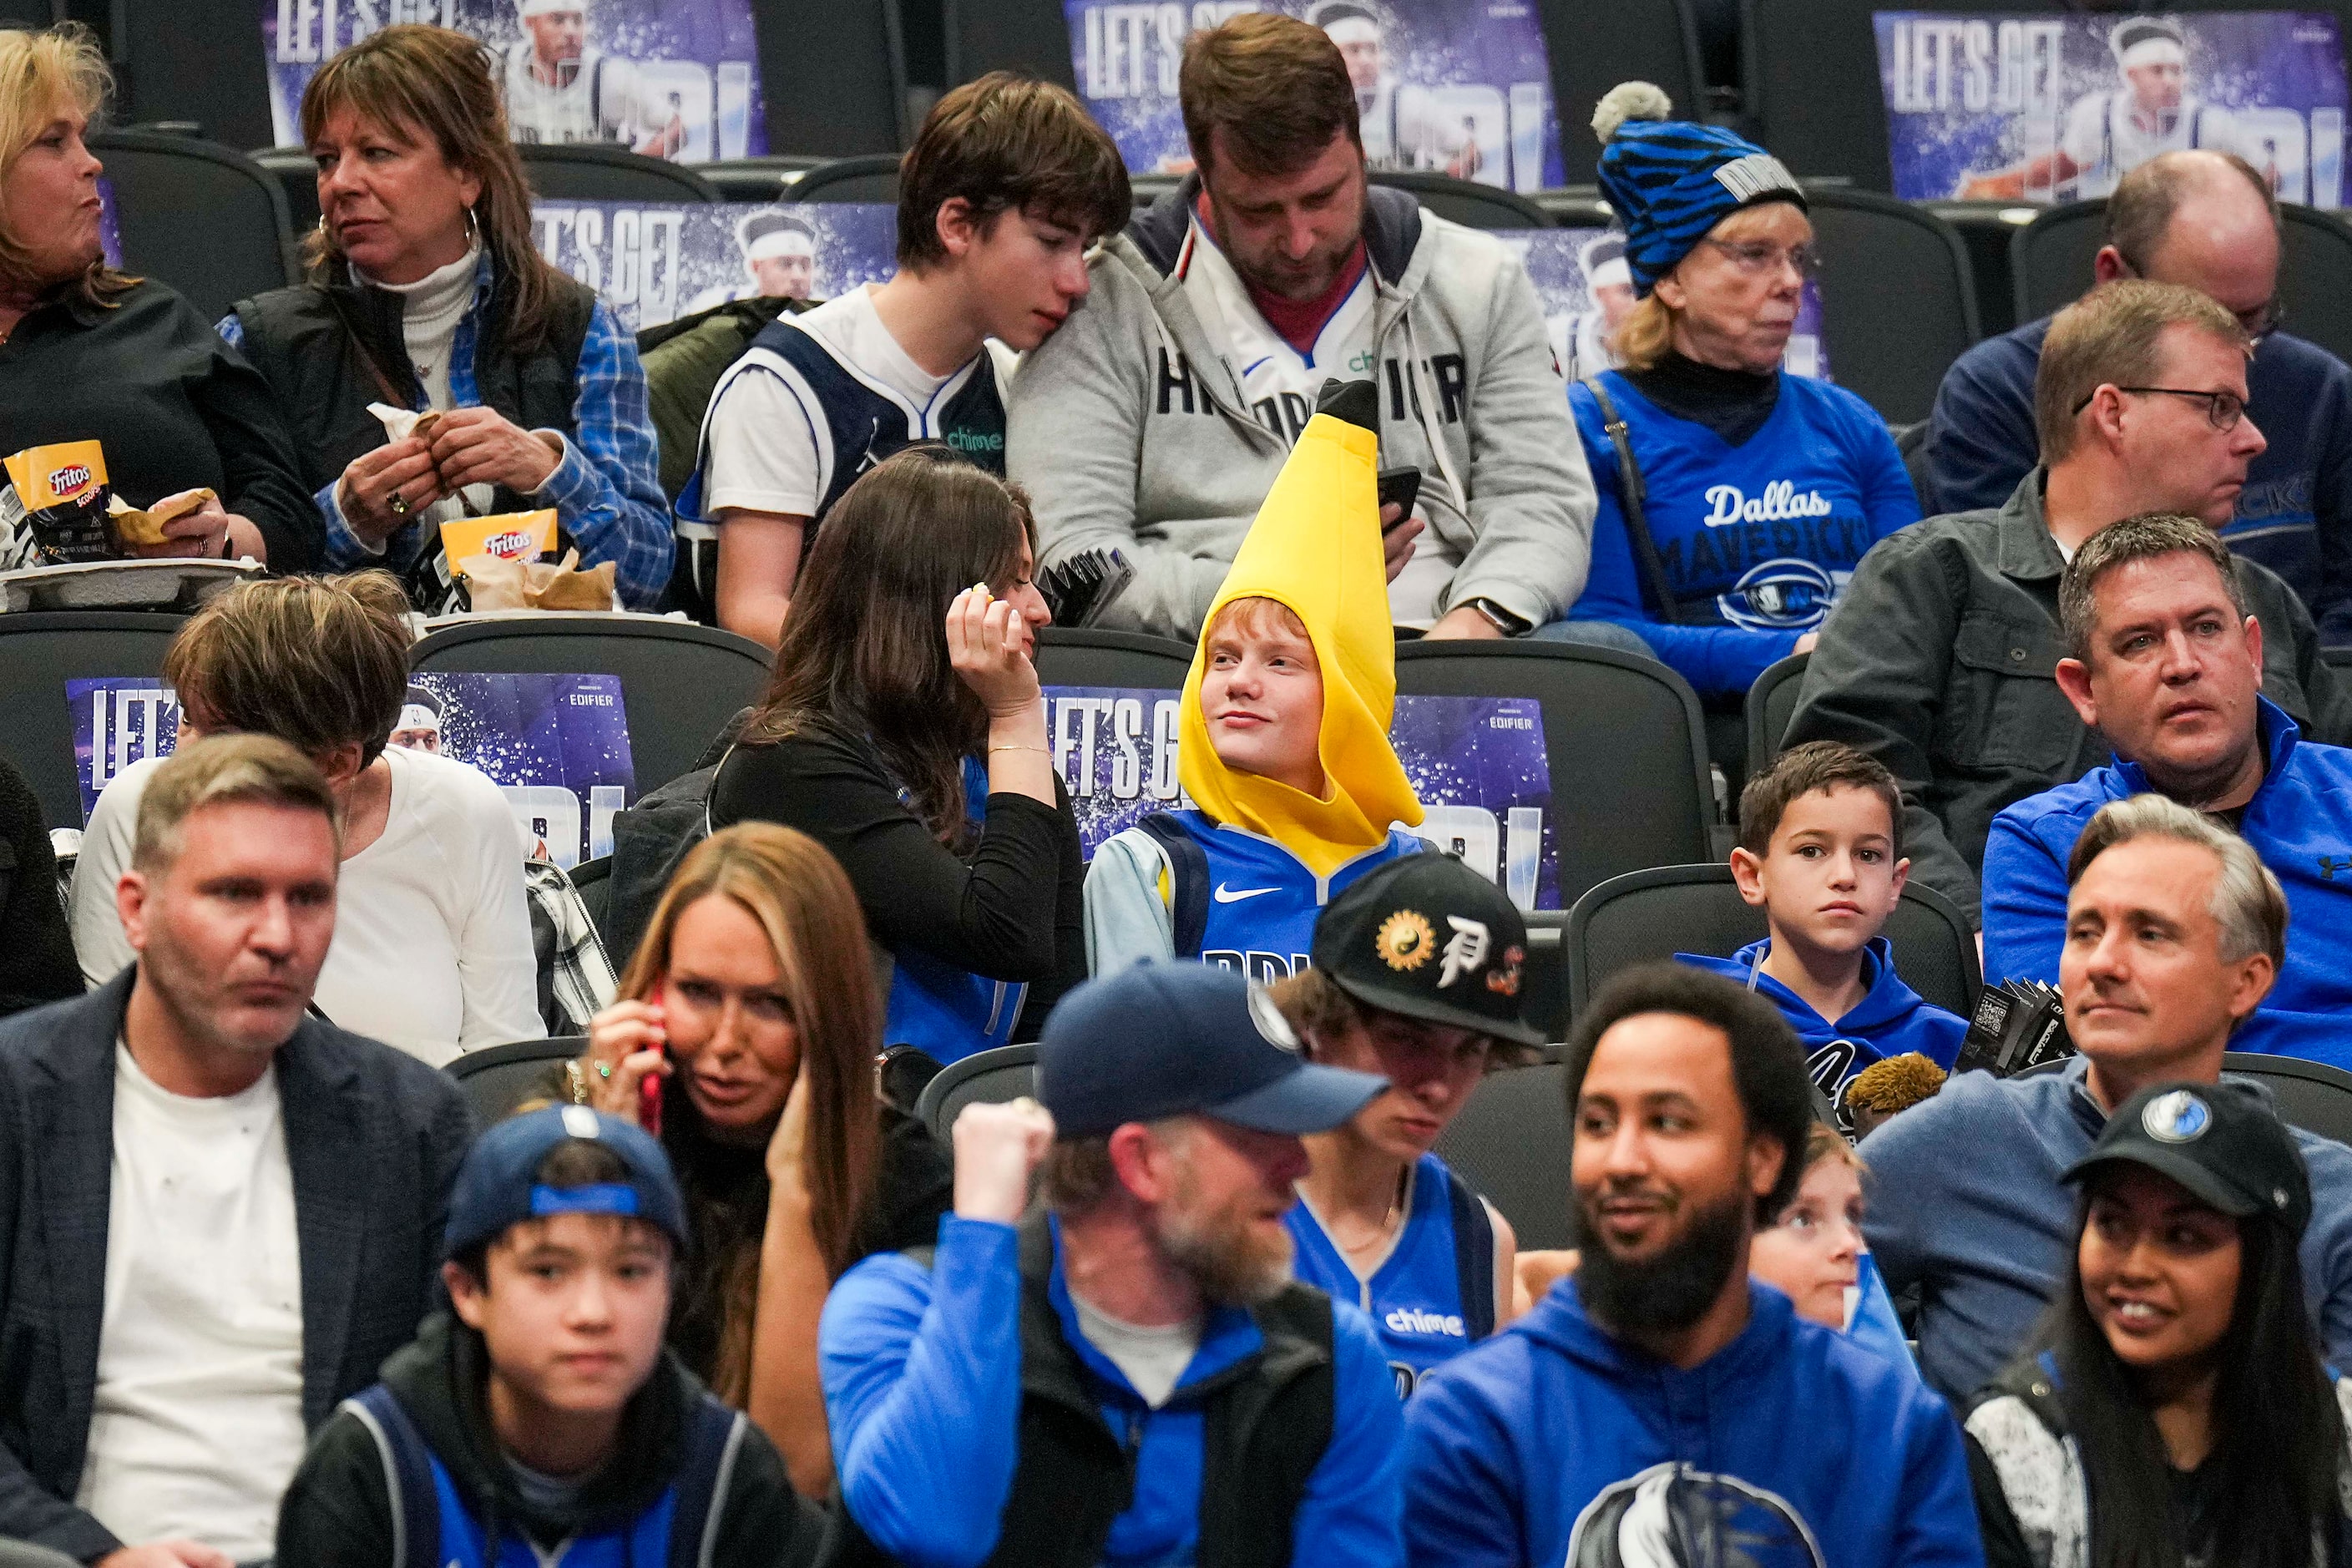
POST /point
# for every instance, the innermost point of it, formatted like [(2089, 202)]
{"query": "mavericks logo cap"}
[(2221, 1141)]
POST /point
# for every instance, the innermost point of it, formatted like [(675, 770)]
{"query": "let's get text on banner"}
[(2048, 107)]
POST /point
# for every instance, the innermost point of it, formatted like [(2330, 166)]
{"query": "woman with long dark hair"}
[(904, 730), (751, 1003), (2172, 1411), (426, 295)]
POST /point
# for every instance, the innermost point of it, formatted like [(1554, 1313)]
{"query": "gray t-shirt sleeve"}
[(1127, 919)]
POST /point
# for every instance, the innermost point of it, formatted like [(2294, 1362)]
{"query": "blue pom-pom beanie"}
[(1670, 181)]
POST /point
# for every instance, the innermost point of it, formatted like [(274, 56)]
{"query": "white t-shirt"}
[(198, 1422), (1151, 1359), (2105, 140), (1280, 384), (432, 950), (766, 443)]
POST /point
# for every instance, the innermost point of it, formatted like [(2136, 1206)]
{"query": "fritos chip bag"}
[(510, 535), (61, 492)]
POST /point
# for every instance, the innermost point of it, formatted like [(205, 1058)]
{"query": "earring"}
[(473, 231)]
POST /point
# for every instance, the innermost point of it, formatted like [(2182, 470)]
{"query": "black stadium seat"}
[(1622, 734), (2052, 256), (297, 179), (201, 217), (768, 179), (1771, 703), (1658, 914), (1899, 299), (834, 78), (1511, 1142), (1029, 36), (40, 650), (1592, 50), (499, 1078), (680, 683), (1087, 657), (1988, 229), (872, 178), (1467, 202), (586, 173), (990, 1078), (2310, 1095)]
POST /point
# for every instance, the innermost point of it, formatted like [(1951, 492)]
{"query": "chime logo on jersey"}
[(1413, 1320), (1671, 1516)]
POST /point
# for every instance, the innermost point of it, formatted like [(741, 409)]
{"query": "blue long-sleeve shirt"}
[(1758, 539), (922, 1388), (1556, 1442), (606, 488), (2299, 821), (2293, 514)]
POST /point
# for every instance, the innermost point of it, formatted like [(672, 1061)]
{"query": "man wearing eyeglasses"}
[(1942, 660), (2206, 220)]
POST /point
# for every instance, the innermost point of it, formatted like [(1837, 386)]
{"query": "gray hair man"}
[(2174, 932)]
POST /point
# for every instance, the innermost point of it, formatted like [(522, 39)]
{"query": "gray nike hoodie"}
[(1128, 428)]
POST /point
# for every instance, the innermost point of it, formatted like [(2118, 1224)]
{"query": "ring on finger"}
[(399, 504), (604, 1069)]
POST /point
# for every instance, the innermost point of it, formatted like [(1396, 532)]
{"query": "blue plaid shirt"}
[(606, 491)]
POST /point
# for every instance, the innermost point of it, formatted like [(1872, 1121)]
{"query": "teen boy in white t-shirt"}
[(1007, 185)]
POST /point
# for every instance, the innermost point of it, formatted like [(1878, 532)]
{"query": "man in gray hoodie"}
[(1155, 420)]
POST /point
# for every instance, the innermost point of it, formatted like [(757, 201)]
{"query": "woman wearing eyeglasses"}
[(1735, 499)]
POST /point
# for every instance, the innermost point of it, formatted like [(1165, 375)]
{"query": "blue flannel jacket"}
[(606, 491)]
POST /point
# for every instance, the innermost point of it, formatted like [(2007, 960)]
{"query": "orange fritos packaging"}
[(510, 536), (62, 491)]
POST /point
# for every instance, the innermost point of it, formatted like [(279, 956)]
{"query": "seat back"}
[(1771, 703), (178, 62), (40, 650), (499, 1079), (1467, 202), (834, 78), (1028, 36), (990, 1078), (298, 180), (26, 1554), (582, 173), (1809, 79), (201, 217), (1622, 736), (1899, 299), (2312, 1096), (2050, 258), (1069, 655), (868, 180), (593, 880), (1511, 1141), (1655, 914), (680, 683), (1642, 40), (1988, 229), (764, 179)]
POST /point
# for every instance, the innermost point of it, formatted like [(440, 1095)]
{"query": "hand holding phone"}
[(1399, 487)]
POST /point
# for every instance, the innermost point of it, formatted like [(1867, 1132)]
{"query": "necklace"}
[(1387, 1218)]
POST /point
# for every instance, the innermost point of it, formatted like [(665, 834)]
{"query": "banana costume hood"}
[(1314, 547)]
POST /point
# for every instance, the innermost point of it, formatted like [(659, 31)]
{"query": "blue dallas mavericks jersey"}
[(951, 1013), (1252, 902), (1432, 1297)]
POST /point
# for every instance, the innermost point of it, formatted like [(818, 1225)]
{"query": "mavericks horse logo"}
[(1671, 1516)]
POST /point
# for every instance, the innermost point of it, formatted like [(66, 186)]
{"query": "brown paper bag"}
[(496, 585)]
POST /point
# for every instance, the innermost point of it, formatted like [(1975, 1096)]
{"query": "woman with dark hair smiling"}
[(2172, 1411), (905, 731)]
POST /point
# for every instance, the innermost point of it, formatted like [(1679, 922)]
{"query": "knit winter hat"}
[(1670, 181)]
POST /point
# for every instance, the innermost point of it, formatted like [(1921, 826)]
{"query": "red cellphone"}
[(649, 1097)]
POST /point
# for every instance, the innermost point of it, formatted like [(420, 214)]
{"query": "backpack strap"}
[(1188, 878), (1633, 496), (714, 1436), (1474, 1257), (407, 1477)]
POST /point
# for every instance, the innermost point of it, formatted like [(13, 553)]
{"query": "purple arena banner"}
[(1456, 87), (654, 263), (1477, 763), (1585, 297), (110, 224), (557, 745), (674, 78), (2041, 107)]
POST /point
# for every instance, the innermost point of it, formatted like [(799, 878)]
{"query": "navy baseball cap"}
[(498, 1184), (1178, 1040), (2221, 1141)]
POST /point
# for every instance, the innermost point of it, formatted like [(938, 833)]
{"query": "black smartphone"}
[(1402, 487)]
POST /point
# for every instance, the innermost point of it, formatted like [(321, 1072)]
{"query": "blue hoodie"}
[(2299, 821), (1518, 1450), (1890, 1021)]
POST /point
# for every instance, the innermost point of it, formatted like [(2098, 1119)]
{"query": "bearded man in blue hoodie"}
[(1659, 1397)]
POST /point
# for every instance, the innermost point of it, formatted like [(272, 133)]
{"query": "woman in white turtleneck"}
[(426, 292)]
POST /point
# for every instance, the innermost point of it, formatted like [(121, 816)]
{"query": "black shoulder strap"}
[(407, 1475), (1474, 1257), (714, 1436), (1188, 880), (1634, 497)]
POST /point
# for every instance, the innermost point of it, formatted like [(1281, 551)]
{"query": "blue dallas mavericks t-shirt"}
[(1756, 539)]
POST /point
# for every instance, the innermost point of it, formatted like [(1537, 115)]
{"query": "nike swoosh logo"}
[(1245, 370), (1229, 896)]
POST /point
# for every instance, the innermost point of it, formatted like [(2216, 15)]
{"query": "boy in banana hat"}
[(1284, 750)]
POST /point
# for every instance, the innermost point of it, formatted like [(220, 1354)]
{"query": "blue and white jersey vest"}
[(1256, 901)]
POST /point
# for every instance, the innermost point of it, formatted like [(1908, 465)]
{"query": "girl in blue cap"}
[(1734, 500)]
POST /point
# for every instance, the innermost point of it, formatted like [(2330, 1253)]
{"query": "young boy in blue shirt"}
[(541, 1419), (1284, 742), (1821, 853)]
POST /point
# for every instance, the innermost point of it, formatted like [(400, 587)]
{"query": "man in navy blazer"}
[(218, 1214)]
